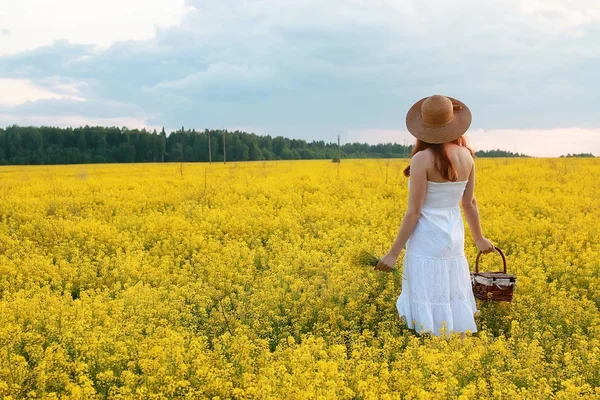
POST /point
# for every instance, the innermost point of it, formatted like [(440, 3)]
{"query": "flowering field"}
[(237, 281)]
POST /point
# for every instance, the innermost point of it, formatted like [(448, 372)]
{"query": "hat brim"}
[(438, 134)]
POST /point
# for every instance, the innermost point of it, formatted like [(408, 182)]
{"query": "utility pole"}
[(339, 156), (209, 152), (224, 146)]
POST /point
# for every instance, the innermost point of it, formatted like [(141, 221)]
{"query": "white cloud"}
[(563, 14), (537, 143), (65, 121), (219, 77), (34, 23), (19, 91), (310, 68)]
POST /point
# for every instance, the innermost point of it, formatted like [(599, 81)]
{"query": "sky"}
[(308, 69)]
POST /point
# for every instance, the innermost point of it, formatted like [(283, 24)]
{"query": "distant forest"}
[(584, 155), (49, 145)]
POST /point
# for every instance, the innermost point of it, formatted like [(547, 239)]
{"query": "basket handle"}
[(479, 255)]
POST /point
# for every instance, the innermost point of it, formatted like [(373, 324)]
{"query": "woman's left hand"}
[(386, 263)]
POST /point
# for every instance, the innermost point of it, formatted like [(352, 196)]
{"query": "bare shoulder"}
[(423, 157), (462, 153), (466, 151), (421, 163), (462, 150)]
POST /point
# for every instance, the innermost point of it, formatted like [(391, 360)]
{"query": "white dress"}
[(436, 282)]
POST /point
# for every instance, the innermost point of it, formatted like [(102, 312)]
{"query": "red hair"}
[(440, 156)]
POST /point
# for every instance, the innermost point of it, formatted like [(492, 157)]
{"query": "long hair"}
[(441, 160)]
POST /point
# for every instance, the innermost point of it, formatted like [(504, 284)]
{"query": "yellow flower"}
[(239, 281)]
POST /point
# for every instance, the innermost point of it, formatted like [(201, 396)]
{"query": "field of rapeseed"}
[(237, 281)]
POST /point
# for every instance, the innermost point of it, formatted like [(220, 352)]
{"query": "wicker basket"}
[(497, 286)]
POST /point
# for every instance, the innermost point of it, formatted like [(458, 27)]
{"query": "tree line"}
[(498, 153), (579, 155), (22, 145)]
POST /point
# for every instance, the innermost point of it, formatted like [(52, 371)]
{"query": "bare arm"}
[(472, 215), (416, 198)]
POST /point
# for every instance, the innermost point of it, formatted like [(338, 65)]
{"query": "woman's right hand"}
[(386, 263), (484, 245)]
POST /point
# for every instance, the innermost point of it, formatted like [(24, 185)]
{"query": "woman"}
[(436, 285)]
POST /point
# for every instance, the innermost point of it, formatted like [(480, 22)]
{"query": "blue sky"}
[(307, 69)]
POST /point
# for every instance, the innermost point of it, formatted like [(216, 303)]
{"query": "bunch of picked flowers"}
[(368, 258)]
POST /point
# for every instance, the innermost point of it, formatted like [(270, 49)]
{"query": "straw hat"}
[(438, 119)]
